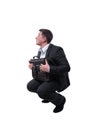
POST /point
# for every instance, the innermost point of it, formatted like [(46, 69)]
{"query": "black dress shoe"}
[(45, 101), (59, 107)]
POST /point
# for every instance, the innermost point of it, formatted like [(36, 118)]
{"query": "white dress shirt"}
[(43, 51)]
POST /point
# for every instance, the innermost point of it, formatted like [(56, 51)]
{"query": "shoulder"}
[(55, 47)]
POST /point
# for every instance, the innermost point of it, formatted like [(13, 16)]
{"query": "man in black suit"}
[(56, 66)]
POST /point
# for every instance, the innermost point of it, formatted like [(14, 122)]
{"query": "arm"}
[(61, 62)]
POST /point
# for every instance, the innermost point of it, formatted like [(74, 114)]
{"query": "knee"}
[(41, 94), (29, 87)]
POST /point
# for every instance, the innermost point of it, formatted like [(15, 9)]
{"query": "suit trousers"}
[(46, 90)]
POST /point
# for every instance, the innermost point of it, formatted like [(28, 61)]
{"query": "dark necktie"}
[(39, 53)]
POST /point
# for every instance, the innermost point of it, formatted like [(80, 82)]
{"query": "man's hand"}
[(30, 66), (45, 68)]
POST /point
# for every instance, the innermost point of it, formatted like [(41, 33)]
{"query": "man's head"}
[(44, 37)]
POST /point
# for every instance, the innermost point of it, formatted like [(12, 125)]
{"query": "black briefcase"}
[(36, 73)]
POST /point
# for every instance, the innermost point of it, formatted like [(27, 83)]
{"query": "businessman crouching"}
[(56, 66)]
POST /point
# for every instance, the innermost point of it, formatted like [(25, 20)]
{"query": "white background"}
[(20, 21)]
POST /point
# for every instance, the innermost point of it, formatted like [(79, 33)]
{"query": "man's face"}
[(40, 39)]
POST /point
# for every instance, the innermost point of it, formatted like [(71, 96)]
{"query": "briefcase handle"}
[(36, 57)]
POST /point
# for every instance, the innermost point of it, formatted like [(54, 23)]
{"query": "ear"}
[(44, 39)]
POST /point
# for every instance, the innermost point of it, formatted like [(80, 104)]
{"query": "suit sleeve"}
[(62, 66)]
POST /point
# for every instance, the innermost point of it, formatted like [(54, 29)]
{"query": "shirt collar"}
[(44, 49)]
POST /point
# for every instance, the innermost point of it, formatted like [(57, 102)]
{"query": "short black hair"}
[(47, 33)]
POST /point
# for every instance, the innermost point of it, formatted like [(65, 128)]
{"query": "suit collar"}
[(49, 50)]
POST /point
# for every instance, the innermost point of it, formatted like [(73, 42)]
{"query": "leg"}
[(33, 85), (47, 90)]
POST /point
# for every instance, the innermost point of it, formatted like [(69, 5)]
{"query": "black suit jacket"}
[(59, 66)]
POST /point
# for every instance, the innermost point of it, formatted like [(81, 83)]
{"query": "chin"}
[(37, 44)]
